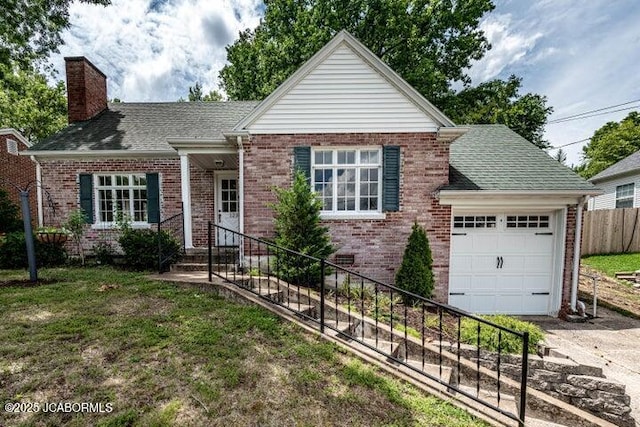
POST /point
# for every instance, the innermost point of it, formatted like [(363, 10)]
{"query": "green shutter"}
[(391, 178), (302, 160), (153, 198), (86, 196)]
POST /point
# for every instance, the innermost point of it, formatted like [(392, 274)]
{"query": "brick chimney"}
[(86, 89)]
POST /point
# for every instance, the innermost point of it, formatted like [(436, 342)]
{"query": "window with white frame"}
[(624, 195), (121, 193), (348, 181)]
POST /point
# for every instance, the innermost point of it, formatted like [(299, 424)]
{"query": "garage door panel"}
[(503, 269)]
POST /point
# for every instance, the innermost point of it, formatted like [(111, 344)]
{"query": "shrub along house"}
[(500, 214)]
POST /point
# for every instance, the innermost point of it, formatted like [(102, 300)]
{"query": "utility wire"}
[(579, 115), (554, 122), (570, 143)]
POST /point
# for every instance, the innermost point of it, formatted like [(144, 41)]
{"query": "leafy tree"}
[(561, 156), (498, 101), (431, 44), (297, 226), (29, 104), (9, 214), (610, 144), (30, 30), (415, 273), (196, 94)]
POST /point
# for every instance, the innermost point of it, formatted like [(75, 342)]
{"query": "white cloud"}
[(153, 51), (509, 45)]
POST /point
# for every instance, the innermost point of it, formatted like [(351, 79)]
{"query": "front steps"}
[(359, 333), (197, 259)]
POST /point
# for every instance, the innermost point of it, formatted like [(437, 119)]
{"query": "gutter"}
[(99, 153), (576, 254)]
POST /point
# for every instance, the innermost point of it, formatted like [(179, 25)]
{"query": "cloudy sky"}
[(582, 55)]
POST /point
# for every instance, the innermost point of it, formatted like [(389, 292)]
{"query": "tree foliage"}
[(498, 101), (197, 95), (30, 29), (29, 104), (9, 213), (611, 143), (415, 273), (431, 44), (298, 228)]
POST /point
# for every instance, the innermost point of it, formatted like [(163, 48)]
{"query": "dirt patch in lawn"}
[(616, 294)]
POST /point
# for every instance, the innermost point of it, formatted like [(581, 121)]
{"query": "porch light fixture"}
[(218, 163)]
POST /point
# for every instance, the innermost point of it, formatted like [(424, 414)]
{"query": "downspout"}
[(576, 255), (241, 182), (241, 196), (39, 192)]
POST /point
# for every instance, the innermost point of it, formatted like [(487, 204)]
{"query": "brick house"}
[(500, 213), (19, 172)]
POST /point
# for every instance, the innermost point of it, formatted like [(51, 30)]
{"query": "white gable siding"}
[(343, 94), (608, 199)]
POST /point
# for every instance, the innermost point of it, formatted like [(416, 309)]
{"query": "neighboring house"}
[(500, 213), (620, 184), (19, 172)]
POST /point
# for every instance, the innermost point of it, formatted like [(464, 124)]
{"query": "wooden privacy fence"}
[(611, 231)]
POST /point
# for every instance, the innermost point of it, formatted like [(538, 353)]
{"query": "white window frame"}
[(100, 224), (626, 196), (357, 165)]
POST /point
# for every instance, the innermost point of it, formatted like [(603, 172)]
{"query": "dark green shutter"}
[(86, 196), (302, 160), (390, 178), (153, 198)]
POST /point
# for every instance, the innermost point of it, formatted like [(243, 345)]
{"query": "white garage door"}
[(502, 263)]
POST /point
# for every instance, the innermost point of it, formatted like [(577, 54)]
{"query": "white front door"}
[(227, 209), (502, 263)]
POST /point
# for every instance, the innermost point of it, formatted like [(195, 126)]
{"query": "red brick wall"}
[(570, 240), (20, 171), (86, 89), (378, 245), (60, 179)]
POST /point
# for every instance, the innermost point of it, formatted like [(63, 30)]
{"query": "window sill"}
[(352, 216), (114, 226)]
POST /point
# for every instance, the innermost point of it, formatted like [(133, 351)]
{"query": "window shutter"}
[(86, 196), (391, 178), (153, 198), (302, 160)]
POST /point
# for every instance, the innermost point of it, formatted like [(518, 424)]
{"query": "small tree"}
[(75, 226), (297, 224), (415, 274)]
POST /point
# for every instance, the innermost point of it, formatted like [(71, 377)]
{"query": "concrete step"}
[(189, 266), (393, 348), (507, 401), (271, 293), (431, 369), (301, 308)]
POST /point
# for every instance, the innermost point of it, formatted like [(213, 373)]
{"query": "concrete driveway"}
[(610, 341)]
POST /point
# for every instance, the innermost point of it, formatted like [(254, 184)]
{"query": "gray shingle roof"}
[(146, 126), (493, 157), (628, 164)]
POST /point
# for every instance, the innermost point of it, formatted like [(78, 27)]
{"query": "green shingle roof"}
[(146, 126), (493, 157)]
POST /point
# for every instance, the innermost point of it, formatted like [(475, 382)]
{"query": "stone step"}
[(300, 308), (392, 348), (272, 293), (431, 369), (198, 266), (507, 401)]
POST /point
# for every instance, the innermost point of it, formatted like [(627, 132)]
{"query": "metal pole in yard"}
[(523, 379), (322, 286), (28, 235)]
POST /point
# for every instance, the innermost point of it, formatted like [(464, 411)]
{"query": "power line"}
[(593, 111), (570, 143), (591, 115)]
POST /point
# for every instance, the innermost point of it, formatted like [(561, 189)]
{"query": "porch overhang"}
[(208, 154)]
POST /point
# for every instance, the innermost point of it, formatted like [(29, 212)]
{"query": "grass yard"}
[(613, 263), (163, 355)]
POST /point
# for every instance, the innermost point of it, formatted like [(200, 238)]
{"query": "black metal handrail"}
[(353, 305), (168, 253)]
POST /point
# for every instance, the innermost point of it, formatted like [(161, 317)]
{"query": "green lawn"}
[(163, 355), (614, 263)]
